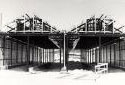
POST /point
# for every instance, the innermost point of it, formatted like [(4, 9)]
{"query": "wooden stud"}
[(53, 55), (3, 44), (110, 54), (99, 49), (49, 55), (67, 53), (37, 55), (90, 56), (64, 42), (106, 54), (102, 54), (60, 58), (28, 51), (17, 52), (43, 56), (114, 54), (33, 55), (11, 50), (119, 54), (21, 54), (46, 55), (96, 55)]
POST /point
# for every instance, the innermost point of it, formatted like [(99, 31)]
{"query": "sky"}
[(63, 14)]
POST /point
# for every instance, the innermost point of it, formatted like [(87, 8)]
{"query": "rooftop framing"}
[(31, 24), (102, 26)]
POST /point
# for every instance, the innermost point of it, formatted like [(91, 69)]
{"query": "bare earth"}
[(74, 77)]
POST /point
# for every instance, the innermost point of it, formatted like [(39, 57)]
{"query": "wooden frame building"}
[(32, 41)]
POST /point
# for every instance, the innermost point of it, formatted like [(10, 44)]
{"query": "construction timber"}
[(32, 41)]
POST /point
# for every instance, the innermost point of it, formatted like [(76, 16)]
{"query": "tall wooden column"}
[(67, 53), (17, 52), (53, 56), (119, 53), (43, 56), (110, 54), (114, 55), (11, 51), (3, 63), (64, 48), (3, 47), (28, 51), (100, 49), (60, 59)]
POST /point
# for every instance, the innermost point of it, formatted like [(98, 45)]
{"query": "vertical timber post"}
[(43, 55), (106, 54), (88, 57), (110, 55), (28, 52), (91, 56), (21, 54), (60, 59), (99, 49), (64, 47), (67, 53), (96, 55), (3, 46), (114, 54), (11, 51), (47, 55), (53, 55), (119, 54), (17, 52), (32, 55)]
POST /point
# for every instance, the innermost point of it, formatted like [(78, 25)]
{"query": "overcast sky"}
[(64, 14)]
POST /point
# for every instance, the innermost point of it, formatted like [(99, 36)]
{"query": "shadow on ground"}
[(56, 67)]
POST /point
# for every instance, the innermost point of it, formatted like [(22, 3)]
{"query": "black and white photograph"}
[(62, 42)]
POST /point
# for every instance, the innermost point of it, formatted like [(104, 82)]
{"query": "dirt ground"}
[(17, 76)]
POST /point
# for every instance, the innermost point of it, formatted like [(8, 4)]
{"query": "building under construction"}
[(34, 42)]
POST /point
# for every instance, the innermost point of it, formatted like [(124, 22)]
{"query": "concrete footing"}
[(64, 70), (31, 70)]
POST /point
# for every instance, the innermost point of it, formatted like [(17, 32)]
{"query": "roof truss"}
[(30, 24), (102, 24)]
